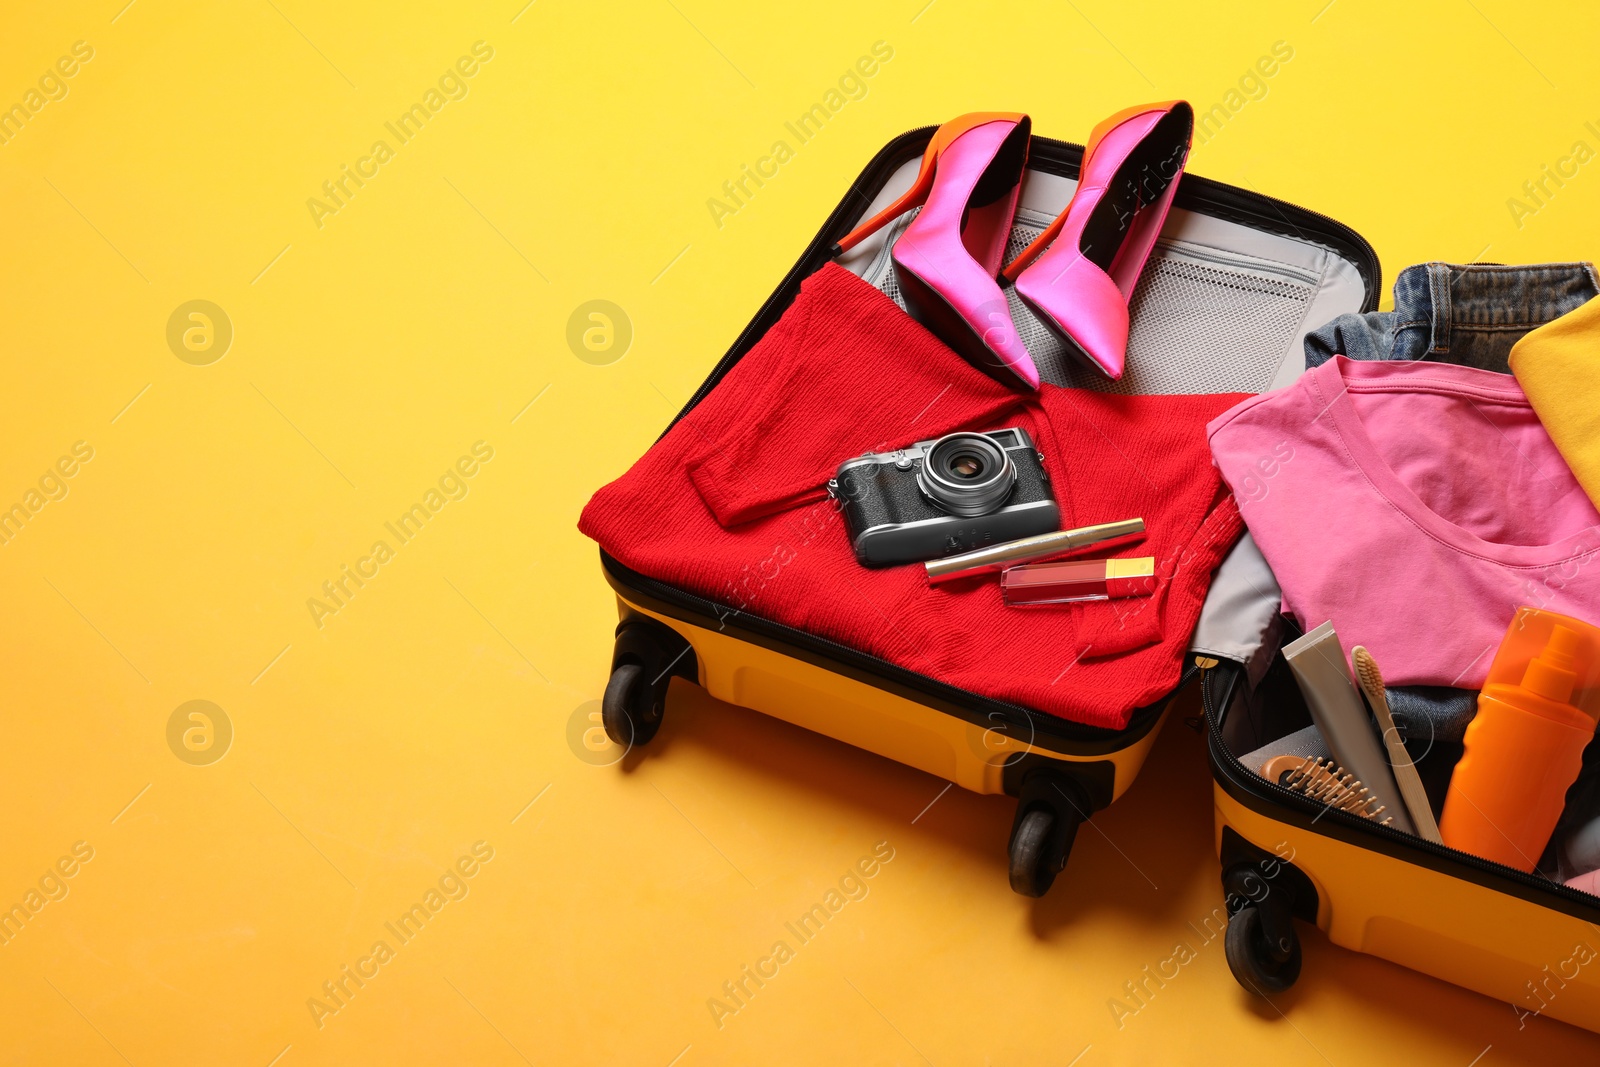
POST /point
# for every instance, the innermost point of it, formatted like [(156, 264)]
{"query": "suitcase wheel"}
[(1261, 964), (630, 711), (645, 659), (1041, 839), (1032, 871)]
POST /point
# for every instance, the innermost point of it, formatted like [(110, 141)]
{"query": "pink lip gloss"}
[(1079, 579)]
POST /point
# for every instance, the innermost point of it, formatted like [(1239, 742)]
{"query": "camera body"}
[(939, 497)]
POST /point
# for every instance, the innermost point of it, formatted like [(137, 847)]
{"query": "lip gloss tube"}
[(1043, 546), (1078, 579)]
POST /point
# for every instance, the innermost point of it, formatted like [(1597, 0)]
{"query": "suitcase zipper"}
[(1038, 724), (1212, 679)]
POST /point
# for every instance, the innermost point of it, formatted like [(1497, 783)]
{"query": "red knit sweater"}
[(730, 504)]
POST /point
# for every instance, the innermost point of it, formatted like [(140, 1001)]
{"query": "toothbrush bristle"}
[(1367, 670)]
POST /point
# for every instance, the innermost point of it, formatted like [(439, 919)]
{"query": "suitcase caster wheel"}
[(1035, 861), (1050, 807), (1260, 967), (630, 711)]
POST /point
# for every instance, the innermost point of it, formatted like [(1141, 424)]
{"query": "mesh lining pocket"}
[(1202, 319)]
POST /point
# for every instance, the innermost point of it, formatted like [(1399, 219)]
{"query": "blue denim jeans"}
[(1451, 313)]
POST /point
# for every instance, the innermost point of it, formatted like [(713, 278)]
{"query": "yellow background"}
[(426, 715)]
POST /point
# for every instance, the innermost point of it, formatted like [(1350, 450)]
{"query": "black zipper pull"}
[(1202, 664)]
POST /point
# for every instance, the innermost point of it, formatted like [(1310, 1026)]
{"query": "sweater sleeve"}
[(1121, 457), (776, 428), (1183, 574)]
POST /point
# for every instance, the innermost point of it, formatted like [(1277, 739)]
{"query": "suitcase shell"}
[(1060, 771), (1517, 937)]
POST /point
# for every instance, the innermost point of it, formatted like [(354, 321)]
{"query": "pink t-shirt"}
[(1416, 505)]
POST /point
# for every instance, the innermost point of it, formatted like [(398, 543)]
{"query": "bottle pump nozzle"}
[(1552, 674)]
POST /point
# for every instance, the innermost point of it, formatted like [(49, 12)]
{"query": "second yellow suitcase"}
[(1517, 937)]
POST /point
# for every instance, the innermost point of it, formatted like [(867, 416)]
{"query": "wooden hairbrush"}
[(1327, 783)]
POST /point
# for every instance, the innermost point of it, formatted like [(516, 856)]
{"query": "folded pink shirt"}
[(1416, 505)]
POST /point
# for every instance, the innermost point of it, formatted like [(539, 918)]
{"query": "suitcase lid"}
[(1218, 238)]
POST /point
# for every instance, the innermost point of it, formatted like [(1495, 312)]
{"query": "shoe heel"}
[(1037, 246), (917, 195)]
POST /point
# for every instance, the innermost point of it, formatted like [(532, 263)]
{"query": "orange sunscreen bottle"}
[(1525, 747)]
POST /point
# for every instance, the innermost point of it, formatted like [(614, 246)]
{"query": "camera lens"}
[(966, 466), (967, 474)]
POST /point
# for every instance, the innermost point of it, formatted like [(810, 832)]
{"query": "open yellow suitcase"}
[(1235, 282), (1517, 937)]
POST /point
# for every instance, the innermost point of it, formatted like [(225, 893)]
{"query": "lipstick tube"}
[(1029, 549), (1078, 579)]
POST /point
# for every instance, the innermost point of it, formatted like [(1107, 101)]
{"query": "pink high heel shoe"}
[(1079, 274), (948, 259)]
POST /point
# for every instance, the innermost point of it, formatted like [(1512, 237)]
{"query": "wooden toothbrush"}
[(1405, 771)]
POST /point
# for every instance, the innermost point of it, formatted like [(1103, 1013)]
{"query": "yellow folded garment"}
[(1558, 366)]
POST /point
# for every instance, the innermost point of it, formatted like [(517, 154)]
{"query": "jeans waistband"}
[(1489, 296), (1471, 313)]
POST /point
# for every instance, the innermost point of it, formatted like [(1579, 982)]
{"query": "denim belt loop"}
[(1439, 317)]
